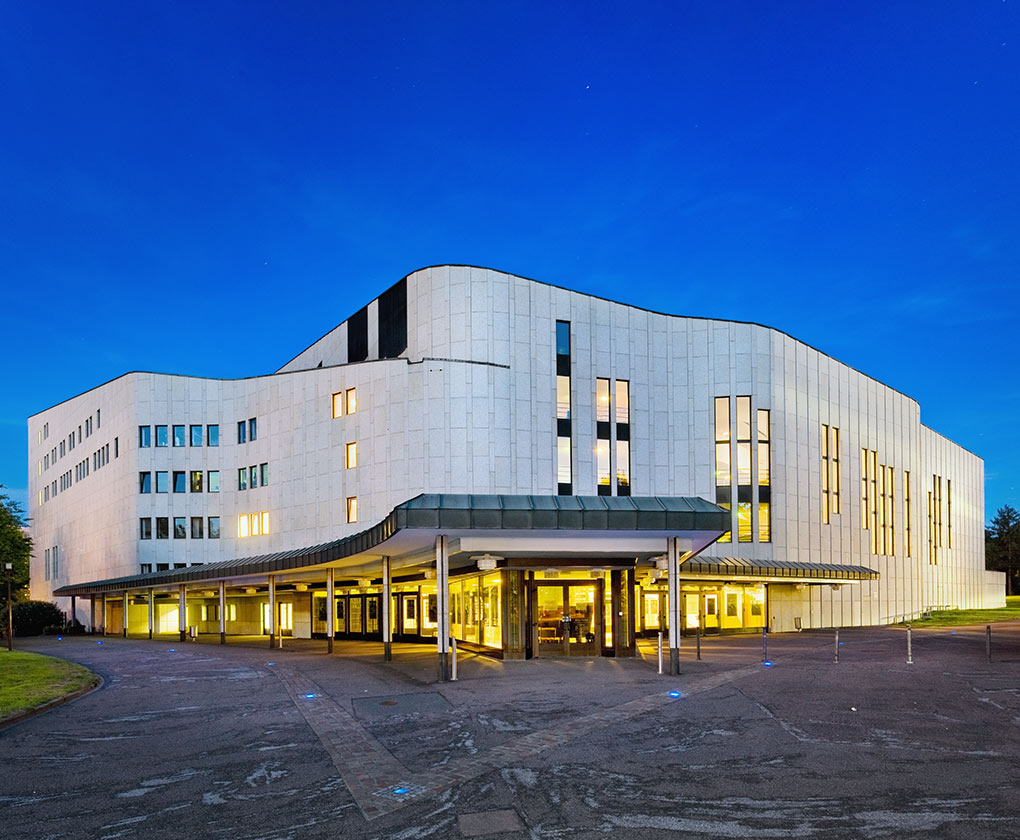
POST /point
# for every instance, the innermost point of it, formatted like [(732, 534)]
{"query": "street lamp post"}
[(9, 567)]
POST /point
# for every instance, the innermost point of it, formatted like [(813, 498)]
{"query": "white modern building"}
[(545, 472)]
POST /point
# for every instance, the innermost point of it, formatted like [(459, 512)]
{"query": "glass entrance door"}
[(566, 619)]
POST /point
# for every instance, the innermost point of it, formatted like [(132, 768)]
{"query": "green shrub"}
[(32, 617)]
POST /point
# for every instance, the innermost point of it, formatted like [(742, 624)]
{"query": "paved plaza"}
[(246, 743)]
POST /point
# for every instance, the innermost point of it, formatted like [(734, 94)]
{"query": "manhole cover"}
[(400, 704), (387, 702)]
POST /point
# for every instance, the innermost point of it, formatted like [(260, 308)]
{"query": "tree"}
[(15, 547), (1002, 546)]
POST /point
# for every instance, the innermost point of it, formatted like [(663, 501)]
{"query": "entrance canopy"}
[(517, 529), (783, 571)]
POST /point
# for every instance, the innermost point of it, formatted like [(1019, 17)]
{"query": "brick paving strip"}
[(380, 784)]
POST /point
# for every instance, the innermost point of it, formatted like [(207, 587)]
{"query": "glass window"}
[(242, 526), (253, 476), (352, 508), (162, 567), (146, 568), (351, 459), (214, 527), (743, 522), (212, 435), (179, 436), (602, 463), (352, 400), (622, 401), (196, 527), (563, 338), (180, 482), (162, 482), (722, 465), (161, 436), (743, 418), (196, 435), (722, 419), (252, 429), (144, 436), (145, 528), (263, 474), (180, 528), (242, 431), (144, 482), (162, 528), (562, 397), (196, 481), (338, 404), (743, 463), (265, 521), (242, 478), (563, 474), (212, 481), (601, 401), (623, 464)]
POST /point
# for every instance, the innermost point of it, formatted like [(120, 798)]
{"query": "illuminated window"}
[(242, 526), (352, 400), (744, 500), (352, 508), (564, 430), (253, 476), (602, 469), (826, 501), (622, 437), (196, 481), (764, 476), (338, 404), (623, 467), (562, 397), (563, 463), (252, 429), (351, 456), (265, 521), (255, 526), (723, 464), (836, 478), (906, 513)]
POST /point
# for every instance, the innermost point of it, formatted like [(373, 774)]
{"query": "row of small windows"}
[(251, 477), (180, 481), (201, 527), (182, 435), (52, 556), (604, 433), (247, 430), (878, 504), (165, 567), (831, 478), (44, 434), (345, 402), (253, 524), (936, 523), (748, 444), (100, 458)]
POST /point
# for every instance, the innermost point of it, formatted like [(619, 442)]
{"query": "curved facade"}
[(472, 381)]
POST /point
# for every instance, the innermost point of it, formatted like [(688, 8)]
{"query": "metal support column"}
[(102, 606), (92, 614), (387, 627), (330, 609), (443, 607), (124, 628), (223, 612), (272, 611), (74, 616), (182, 611), (152, 610), (675, 612)]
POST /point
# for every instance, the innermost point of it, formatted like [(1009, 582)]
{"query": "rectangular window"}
[(602, 401), (351, 456), (723, 465), (162, 528), (242, 431), (949, 512), (144, 482), (764, 476), (144, 437), (603, 470), (146, 568), (243, 526), (214, 527), (196, 527), (263, 474), (622, 401), (265, 521), (180, 482), (826, 501), (196, 481), (180, 528), (212, 481), (162, 438), (864, 489), (212, 435), (622, 467), (242, 478), (564, 430), (906, 513), (56, 562), (145, 528), (744, 502), (252, 429), (563, 338), (352, 508), (47, 555), (162, 482), (563, 464), (253, 476), (196, 435), (116, 447), (338, 404), (562, 397), (622, 437), (836, 478), (254, 526), (352, 400), (179, 437)]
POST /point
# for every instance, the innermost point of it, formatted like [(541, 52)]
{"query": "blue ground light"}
[(98, 643), (172, 650), (675, 694), (309, 696), (270, 663), (767, 663), (401, 790), (60, 638)]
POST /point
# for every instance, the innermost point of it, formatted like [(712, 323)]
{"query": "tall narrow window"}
[(196, 435), (243, 527), (252, 429), (723, 461), (351, 456), (253, 476), (145, 482), (890, 511), (214, 527), (212, 481), (338, 404), (744, 500), (179, 436), (906, 513), (242, 478), (196, 481), (180, 482), (880, 512), (145, 528), (564, 470), (162, 437), (826, 501), (263, 474), (603, 443), (352, 400), (197, 530), (622, 437), (144, 436), (873, 498), (949, 513), (242, 431), (212, 435), (352, 508), (864, 489), (764, 477), (835, 477)]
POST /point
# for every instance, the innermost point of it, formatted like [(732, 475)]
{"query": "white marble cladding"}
[(471, 408)]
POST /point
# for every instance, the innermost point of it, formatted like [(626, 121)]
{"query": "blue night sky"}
[(207, 187)]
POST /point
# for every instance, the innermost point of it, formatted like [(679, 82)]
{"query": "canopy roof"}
[(740, 567)]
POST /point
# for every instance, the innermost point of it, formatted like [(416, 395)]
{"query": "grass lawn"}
[(954, 618), (28, 680)]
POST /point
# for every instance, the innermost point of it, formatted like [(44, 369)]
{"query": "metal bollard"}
[(988, 642), (764, 644), (910, 655), (835, 654), (660, 651), (453, 652), (698, 638)]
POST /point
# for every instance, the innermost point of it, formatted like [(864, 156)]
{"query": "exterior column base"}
[(329, 645), (387, 651), (223, 638), (184, 635), (444, 667), (674, 661), (150, 635), (272, 641)]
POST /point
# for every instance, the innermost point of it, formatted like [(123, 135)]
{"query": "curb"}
[(52, 704)]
